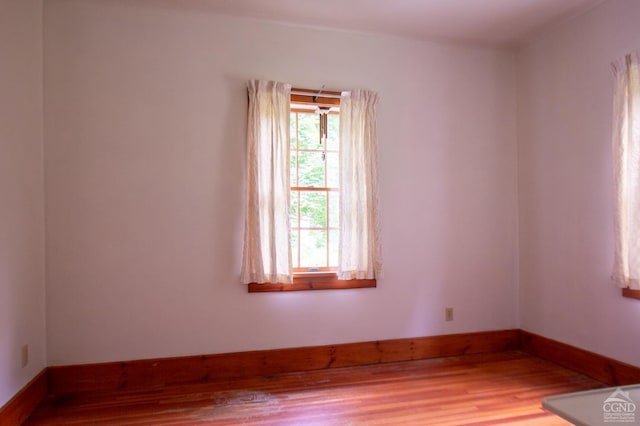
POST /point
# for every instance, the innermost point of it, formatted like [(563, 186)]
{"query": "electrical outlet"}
[(24, 355), (448, 314)]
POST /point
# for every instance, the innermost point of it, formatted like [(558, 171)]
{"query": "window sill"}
[(632, 294), (312, 281)]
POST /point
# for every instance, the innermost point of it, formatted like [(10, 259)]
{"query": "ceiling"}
[(502, 24)]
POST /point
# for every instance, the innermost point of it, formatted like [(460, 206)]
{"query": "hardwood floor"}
[(486, 389)]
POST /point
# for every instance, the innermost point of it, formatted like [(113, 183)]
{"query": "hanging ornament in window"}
[(324, 115)]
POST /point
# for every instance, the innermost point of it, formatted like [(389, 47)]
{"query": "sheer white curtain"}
[(626, 164), (267, 252), (360, 251)]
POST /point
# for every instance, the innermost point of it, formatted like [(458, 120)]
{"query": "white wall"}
[(22, 292), (565, 184), (145, 111)]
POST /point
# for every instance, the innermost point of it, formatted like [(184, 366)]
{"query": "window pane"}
[(313, 209), (293, 158), (333, 129), (294, 248), (334, 209), (313, 248), (308, 131), (333, 170), (311, 169), (333, 247)]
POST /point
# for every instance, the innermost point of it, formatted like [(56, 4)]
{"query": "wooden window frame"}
[(325, 279), (631, 293), (312, 281)]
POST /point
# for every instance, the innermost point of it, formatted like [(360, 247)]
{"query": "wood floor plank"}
[(487, 389)]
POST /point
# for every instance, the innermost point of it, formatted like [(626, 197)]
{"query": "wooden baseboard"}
[(157, 373), (18, 408), (601, 368)]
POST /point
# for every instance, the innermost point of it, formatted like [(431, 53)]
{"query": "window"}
[(311, 213), (626, 166), (314, 157)]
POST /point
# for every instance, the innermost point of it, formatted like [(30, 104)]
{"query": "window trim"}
[(312, 98), (312, 281), (631, 293)]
